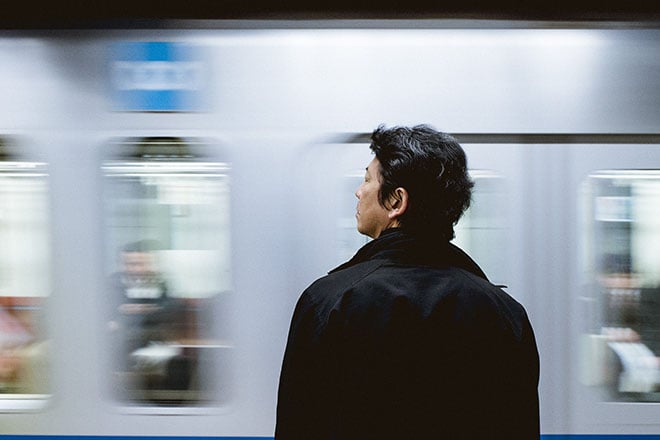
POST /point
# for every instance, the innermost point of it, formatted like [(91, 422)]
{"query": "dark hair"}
[(432, 167), (146, 245)]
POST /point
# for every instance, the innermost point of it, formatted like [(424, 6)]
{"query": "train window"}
[(167, 228), (24, 283), (621, 350), (479, 232)]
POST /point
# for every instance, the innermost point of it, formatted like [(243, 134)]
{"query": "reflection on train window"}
[(168, 259), (479, 232), (24, 284), (621, 349)]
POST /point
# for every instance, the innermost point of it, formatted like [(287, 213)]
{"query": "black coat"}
[(408, 340)]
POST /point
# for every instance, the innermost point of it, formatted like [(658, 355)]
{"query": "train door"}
[(166, 208), (616, 291), (25, 281)]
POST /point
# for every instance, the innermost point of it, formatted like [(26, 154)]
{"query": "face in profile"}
[(372, 217)]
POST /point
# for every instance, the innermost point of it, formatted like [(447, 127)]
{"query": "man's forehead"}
[(373, 167)]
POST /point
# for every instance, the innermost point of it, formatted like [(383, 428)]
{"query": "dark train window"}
[(621, 349), (25, 282), (168, 269)]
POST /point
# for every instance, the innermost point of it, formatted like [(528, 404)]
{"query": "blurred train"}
[(167, 193)]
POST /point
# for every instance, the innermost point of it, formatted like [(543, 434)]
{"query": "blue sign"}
[(157, 77)]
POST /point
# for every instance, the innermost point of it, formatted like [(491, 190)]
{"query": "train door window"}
[(167, 228), (25, 283), (480, 231), (621, 350)]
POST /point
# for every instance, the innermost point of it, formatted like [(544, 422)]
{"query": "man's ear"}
[(398, 203)]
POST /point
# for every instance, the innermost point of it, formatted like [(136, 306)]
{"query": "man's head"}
[(138, 258), (424, 186)]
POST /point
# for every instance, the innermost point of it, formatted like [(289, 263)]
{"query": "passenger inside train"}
[(147, 319)]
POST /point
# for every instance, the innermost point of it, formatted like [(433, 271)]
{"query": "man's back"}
[(408, 339)]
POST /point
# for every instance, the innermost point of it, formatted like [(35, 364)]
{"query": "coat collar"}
[(397, 246)]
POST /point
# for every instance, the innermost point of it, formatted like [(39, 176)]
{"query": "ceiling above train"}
[(147, 13)]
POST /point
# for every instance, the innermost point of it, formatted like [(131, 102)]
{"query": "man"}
[(145, 320), (142, 307), (409, 340)]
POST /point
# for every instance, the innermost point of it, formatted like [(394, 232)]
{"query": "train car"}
[(167, 192)]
